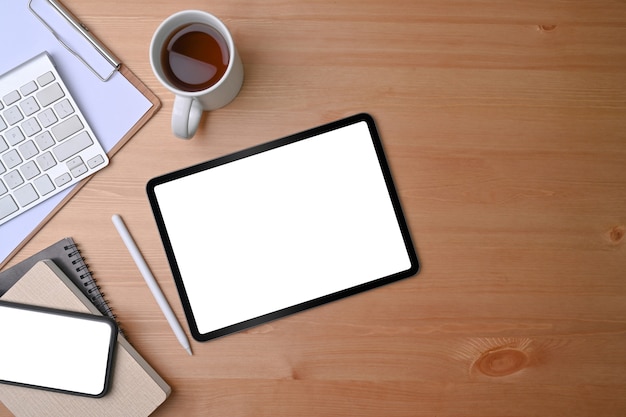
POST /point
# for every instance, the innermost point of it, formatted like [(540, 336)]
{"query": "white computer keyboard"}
[(46, 144)]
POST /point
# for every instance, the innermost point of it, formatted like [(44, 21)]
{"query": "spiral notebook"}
[(136, 390), (67, 257)]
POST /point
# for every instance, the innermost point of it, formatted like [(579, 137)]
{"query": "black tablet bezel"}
[(393, 195)]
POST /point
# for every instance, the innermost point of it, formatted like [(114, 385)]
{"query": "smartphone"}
[(56, 350)]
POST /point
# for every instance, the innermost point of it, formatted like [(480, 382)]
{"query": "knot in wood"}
[(501, 362), (616, 234), (546, 28)]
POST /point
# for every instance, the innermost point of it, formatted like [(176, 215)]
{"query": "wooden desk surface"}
[(505, 127)]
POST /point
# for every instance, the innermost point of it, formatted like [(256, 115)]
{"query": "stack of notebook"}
[(136, 389)]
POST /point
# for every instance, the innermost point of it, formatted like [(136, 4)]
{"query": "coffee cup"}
[(193, 55)]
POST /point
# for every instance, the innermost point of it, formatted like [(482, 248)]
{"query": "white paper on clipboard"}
[(101, 102)]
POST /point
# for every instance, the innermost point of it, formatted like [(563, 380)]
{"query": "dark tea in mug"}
[(194, 57)]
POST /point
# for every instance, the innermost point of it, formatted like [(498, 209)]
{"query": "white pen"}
[(152, 284)]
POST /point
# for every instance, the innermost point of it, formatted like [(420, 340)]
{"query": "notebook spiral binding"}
[(93, 290), (68, 258)]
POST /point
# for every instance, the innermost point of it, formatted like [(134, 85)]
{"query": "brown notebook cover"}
[(136, 389)]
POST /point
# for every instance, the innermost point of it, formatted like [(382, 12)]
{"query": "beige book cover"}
[(136, 389)]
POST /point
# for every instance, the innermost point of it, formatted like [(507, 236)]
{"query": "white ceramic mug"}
[(189, 105)]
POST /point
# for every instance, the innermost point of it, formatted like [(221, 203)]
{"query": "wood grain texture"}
[(504, 124)]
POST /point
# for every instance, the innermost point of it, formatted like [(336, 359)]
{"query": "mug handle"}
[(186, 116)]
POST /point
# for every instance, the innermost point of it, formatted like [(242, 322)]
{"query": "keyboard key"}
[(13, 179), (72, 146), (12, 158), (29, 106), (11, 98), (13, 115), (29, 87), (3, 145), (64, 108), (44, 140), (14, 136), (67, 128), (50, 94), (31, 126), (29, 170), (3, 188), (3, 125), (76, 166), (45, 79), (28, 150), (46, 161), (44, 185), (47, 118), (61, 180), (79, 170), (7, 206), (95, 161), (2, 168), (26, 195), (74, 162)]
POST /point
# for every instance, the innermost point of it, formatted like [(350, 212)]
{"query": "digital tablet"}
[(283, 226)]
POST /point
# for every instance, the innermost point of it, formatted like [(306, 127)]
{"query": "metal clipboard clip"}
[(68, 17)]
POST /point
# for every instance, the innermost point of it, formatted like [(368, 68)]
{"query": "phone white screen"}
[(44, 349)]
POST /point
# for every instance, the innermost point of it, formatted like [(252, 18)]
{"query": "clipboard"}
[(90, 70), (282, 227)]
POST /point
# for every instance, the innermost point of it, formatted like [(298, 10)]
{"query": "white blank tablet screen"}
[(282, 227)]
